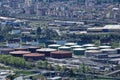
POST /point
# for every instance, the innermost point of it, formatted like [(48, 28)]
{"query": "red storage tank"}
[(34, 56), (20, 49), (19, 53), (61, 54)]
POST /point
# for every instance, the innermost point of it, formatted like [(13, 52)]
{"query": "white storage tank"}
[(92, 48), (54, 46), (118, 50), (105, 47), (109, 51), (79, 51), (88, 45), (91, 53), (70, 44), (64, 48), (45, 51), (76, 46)]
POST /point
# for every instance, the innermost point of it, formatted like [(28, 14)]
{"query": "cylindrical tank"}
[(104, 47), (70, 44), (45, 51), (32, 49), (26, 45), (118, 50), (109, 51), (6, 50), (3, 46), (61, 54), (34, 56), (20, 49), (92, 48), (88, 45), (91, 53), (79, 51), (54, 46), (64, 48), (76, 46), (19, 53)]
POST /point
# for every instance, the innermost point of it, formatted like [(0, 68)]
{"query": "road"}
[(113, 72)]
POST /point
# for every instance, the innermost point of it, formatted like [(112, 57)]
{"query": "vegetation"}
[(14, 61)]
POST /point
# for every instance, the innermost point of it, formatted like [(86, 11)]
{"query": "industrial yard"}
[(60, 40)]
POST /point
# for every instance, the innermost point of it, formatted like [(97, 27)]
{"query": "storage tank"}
[(91, 53), (45, 51), (104, 47), (4, 46), (6, 50), (26, 45), (32, 49), (34, 56), (118, 50), (76, 46), (61, 54), (79, 51), (19, 53), (54, 46), (20, 49), (92, 48), (88, 45), (109, 51), (70, 44), (64, 48)]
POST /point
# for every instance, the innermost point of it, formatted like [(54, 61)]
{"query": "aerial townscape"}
[(59, 39)]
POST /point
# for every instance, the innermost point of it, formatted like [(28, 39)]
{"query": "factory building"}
[(34, 56), (61, 54), (106, 28)]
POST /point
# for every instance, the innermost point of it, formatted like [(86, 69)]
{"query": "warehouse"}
[(45, 51), (106, 28), (19, 53), (61, 54), (34, 56)]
